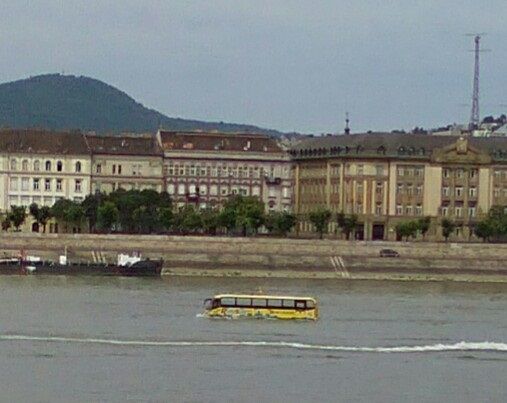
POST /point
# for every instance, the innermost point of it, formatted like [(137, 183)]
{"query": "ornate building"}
[(205, 168), (386, 178)]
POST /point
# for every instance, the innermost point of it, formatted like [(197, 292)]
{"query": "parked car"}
[(389, 253)]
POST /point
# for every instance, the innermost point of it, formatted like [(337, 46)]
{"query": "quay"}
[(276, 257)]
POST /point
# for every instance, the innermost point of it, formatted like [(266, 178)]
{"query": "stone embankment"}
[(267, 257)]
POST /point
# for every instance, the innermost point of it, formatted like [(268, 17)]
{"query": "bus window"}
[(288, 303), (275, 303), (227, 302), (310, 304), (243, 302), (300, 305), (208, 304), (259, 303)]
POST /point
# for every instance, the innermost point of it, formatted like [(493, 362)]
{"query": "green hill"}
[(61, 102)]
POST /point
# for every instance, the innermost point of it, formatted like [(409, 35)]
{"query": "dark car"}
[(389, 253)]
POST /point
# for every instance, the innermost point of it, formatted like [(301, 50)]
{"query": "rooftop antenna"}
[(475, 115), (347, 120)]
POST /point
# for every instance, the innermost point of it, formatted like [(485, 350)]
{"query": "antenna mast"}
[(474, 116), (347, 120)]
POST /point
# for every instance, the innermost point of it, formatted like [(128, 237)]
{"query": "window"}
[(14, 164), (13, 184), (445, 211), (418, 210), (59, 166), (409, 210), (399, 188), (496, 192), (379, 170), (78, 166), (473, 173), (445, 191), (114, 169), (98, 168), (36, 165), (170, 188), (459, 173), (379, 187), (192, 170), (203, 190), (77, 186), (36, 184), (181, 189), (170, 170), (48, 165), (286, 192), (47, 184), (191, 189), (260, 303), (378, 209), (224, 190), (360, 169), (275, 303), (446, 173), (472, 192), (400, 171), (459, 191), (399, 209), (25, 184), (213, 190), (410, 189), (288, 303), (59, 185), (458, 211), (24, 165), (119, 169), (418, 190)]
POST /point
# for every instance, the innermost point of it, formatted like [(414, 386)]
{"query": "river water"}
[(84, 339)]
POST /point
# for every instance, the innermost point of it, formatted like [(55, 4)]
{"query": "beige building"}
[(126, 161), (386, 178), (42, 167), (205, 168)]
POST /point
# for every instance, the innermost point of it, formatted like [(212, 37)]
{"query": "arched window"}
[(78, 166), (381, 150), (59, 166), (48, 165), (14, 164), (24, 165), (36, 165), (401, 150)]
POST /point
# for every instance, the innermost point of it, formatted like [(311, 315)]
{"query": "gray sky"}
[(287, 65)]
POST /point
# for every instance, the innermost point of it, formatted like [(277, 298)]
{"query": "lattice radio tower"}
[(475, 115)]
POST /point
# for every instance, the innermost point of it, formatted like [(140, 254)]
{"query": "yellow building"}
[(386, 178), (126, 162)]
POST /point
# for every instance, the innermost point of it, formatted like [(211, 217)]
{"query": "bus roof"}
[(257, 296)]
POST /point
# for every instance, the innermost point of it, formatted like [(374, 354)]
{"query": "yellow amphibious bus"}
[(261, 306)]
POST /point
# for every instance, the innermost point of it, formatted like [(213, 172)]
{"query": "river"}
[(83, 339)]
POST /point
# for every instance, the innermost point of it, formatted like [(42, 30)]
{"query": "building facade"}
[(42, 167), (205, 169), (386, 178), (127, 162)]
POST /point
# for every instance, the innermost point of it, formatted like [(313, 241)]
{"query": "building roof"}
[(35, 141), (145, 145), (214, 141), (397, 145)]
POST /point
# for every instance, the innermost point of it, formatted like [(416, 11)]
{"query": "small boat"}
[(261, 306)]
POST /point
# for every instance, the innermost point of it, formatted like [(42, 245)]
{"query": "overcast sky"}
[(287, 65)]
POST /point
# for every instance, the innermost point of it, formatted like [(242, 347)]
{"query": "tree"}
[(166, 218), (6, 222), (250, 214), (17, 216), (423, 225), (407, 229), (485, 229), (75, 214), (447, 228), (90, 206), (210, 220), (41, 214), (107, 216), (280, 223), (187, 220), (347, 224), (320, 219)]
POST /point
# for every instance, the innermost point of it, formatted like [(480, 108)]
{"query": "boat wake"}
[(432, 348)]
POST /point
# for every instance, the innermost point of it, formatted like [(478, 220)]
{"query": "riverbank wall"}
[(276, 257)]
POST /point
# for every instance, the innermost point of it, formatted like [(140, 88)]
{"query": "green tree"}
[(90, 206), (347, 224), (187, 220), (320, 220), (447, 228), (280, 223), (17, 216), (107, 216), (6, 222), (407, 229), (166, 218), (250, 214), (423, 225), (75, 215), (41, 214), (485, 229), (210, 219)]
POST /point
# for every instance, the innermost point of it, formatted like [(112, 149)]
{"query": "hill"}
[(61, 102)]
